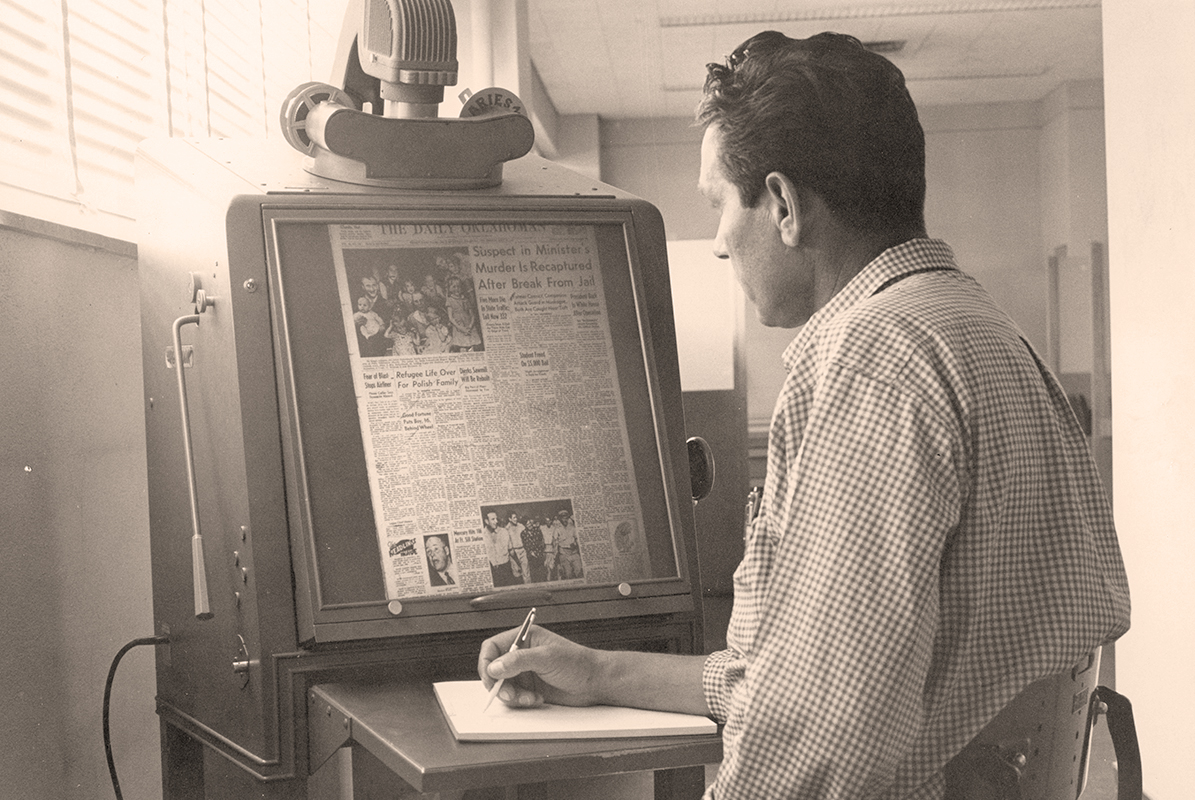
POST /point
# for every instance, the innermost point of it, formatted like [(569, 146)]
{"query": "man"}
[(391, 286), (519, 564), (439, 561), (376, 302), (565, 546), (535, 550), (933, 536), (498, 546)]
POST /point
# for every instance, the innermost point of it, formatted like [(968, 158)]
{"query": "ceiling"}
[(625, 59)]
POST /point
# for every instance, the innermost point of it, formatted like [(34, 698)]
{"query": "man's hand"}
[(550, 669)]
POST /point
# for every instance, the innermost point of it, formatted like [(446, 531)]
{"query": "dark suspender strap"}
[(899, 278)]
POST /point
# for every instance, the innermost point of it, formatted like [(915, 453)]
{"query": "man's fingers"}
[(520, 696), (516, 663), (491, 649)]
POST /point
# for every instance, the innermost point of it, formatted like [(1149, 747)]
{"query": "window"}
[(82, 82)]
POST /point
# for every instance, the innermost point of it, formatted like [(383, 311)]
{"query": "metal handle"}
[(518, 598), (203, 608), (701, 468)]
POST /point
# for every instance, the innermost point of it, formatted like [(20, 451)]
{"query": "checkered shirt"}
[(933, 538)]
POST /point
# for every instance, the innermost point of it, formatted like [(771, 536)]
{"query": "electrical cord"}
[(108, 700)]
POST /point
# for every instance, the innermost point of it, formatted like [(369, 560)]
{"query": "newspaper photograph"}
[(490, 407)]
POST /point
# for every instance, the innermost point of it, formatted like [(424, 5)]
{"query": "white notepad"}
[(462, 702)]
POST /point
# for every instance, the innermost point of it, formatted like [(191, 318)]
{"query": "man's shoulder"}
[(934, 318)]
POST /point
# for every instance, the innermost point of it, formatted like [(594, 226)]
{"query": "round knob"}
[(203, 301)]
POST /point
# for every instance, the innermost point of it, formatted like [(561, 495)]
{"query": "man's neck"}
[(845, 252)]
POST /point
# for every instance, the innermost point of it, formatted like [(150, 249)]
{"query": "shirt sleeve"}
[(841, 575)]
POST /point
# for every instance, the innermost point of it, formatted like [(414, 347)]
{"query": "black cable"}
[(108, 699)]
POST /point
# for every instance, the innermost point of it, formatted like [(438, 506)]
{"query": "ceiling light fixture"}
[(865, 11)]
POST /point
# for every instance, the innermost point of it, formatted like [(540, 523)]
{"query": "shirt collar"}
[(895, 262)]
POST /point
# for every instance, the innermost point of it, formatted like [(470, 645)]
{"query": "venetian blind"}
[(84, 81)]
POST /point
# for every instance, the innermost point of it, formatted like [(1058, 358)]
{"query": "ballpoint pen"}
[(754, 498), (520, 641)]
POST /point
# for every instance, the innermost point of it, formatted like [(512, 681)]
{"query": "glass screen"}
[(474, 407)]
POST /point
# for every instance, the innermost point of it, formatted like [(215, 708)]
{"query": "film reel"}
[(299, 103), (492, 101)]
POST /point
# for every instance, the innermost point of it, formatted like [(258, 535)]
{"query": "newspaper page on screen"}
[(490, 407)]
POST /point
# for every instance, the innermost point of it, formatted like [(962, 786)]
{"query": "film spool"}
[(492, 101), (299, 104)]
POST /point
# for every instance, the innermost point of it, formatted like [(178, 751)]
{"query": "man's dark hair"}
[(834, 117)]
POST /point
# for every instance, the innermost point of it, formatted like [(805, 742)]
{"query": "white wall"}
[(983, 196), (1149, 68)]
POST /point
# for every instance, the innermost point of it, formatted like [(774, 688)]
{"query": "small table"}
[(399, 726)]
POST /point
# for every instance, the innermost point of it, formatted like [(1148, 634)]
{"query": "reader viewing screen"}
[(473, 406)]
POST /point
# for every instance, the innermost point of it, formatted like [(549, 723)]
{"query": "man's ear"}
[(784, 206)]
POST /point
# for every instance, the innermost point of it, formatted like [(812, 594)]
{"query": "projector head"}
[(410, 47)]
